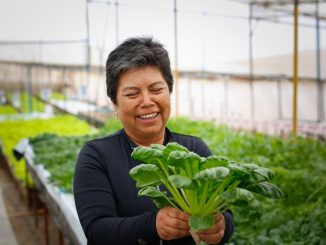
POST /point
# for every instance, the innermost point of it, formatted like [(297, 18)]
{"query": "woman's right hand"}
[(172, 223)]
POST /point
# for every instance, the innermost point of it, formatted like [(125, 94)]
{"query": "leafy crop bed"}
[(13, 131), (299, 166), (7, 109), (37, 105), (60, 158)]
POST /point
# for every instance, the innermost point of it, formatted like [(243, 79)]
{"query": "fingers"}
[(169, 233), (212, 238), (172, 223), (215, 234), (176, 213)]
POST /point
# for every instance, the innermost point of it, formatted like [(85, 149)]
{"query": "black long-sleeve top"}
[(108, 206)]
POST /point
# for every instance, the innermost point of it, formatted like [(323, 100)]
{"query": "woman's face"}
[(143, 103)]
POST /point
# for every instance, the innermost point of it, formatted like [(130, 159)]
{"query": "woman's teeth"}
[(148, 116)]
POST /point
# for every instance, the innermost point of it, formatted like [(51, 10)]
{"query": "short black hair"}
[(134, 53)]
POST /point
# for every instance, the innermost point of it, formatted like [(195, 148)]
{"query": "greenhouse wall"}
[(231, 98), (218, 97)]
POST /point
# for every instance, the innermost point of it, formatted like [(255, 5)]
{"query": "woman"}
[(139, 83)]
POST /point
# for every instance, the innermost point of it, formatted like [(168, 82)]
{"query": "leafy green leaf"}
[(212, 174), (201, 222), (146, 174), (181, 159), (215, 161), (158, 146), (181, 181), (177, 158), (147, 154), (262, 174), (160, 199), (266, 189), (238, 171), (238, 194), (173, 146)]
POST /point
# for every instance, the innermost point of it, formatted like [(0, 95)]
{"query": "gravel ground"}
[(29, 229)]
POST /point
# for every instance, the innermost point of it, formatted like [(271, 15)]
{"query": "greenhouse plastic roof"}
[(306, 7)]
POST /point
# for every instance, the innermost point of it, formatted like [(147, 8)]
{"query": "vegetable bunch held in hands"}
[(202, 187)]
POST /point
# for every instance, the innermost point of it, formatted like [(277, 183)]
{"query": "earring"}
[(115, 114)]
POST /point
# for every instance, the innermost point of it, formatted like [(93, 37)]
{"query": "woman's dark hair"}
[(134, 53)]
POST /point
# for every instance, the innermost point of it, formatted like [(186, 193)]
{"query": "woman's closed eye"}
[(157, 90), (131, 94)]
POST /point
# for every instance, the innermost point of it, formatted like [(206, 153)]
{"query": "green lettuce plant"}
[(202, 187)]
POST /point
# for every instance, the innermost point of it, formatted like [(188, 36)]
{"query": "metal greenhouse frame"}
[(275, 10)]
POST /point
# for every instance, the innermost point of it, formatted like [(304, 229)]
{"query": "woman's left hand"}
[(215, 234)]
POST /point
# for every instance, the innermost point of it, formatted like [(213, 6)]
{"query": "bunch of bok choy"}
[(202, 187)]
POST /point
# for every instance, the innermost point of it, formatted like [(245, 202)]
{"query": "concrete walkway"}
[(7, 236)]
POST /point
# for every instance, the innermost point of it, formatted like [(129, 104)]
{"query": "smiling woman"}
[(139, 83)]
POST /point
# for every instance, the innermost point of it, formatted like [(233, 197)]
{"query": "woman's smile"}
[(149, 116)]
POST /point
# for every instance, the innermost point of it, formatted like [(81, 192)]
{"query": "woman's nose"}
[(147, 99)]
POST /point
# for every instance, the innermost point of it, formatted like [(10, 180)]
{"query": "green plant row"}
[(60, 158), (13, 131), (57, 96), (7, 110), (299, 166), (36, 104)]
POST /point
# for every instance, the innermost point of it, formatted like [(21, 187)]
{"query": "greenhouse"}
[(209, 128)]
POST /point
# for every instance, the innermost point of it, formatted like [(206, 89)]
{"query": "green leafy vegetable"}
[(202, 187)]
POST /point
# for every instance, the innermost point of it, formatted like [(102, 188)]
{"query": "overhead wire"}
[(40, 42)]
